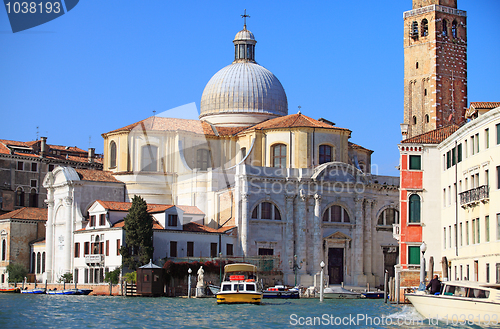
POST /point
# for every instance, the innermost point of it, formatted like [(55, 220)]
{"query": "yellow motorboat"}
[(240, 285)]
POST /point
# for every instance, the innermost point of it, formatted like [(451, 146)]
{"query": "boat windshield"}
[(226, 287), (460, 291), (250, 287)]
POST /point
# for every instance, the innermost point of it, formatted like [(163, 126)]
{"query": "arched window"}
[(19, 197), (445, 28), (4, 249), (427, 118), (203, 161), (38, 262), (454, 29), (388, 217), (414, 30), (425, 27), (336, 214), (33, 262), (43, 262), (414, 208), (266, 210), (325, 154), (279, 155), (112, 154), (416, 65), (243, 153), (414, 120), (33, 198), (149, 158)]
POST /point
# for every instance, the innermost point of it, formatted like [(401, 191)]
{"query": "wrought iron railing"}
[(480, 193)]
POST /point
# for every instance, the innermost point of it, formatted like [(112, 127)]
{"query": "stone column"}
[(67, 234), (358, 242), (317, 237), (374, 242), (244, 223), (288, 239), (49, 236), (301, 232), (367, 245)]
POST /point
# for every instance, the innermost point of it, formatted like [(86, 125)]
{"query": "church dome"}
[(243, 93)]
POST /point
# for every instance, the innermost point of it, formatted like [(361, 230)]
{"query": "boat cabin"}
[(239, 286)]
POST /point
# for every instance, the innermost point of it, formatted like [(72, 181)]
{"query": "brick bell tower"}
[(435, 79)]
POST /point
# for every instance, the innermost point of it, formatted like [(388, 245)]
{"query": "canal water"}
[(49, 311)]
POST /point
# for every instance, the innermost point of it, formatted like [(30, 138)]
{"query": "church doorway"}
[(336, 265)]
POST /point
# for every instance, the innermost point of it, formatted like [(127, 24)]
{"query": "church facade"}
[(294, 187)]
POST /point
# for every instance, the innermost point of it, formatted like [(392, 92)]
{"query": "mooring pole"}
[(385, 286)]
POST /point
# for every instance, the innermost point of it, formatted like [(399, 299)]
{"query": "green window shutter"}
[(413, 255), (453, 156), (448, 159), (415, 162), (414, 209), (498, 133), (459, 151)]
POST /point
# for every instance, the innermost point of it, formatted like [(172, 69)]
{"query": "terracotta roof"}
[(356, 146), (169, 124), (27, 213), (156, 225), (96, 175), (191, 210), (435, 136), (484, 105), (195, 227), (125, 206), (292, 121)]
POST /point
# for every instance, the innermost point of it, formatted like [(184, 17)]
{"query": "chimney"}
[(91, 154), (43, 146)]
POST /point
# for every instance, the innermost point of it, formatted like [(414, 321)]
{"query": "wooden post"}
[(385, 286)]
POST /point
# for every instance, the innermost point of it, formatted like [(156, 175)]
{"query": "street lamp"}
[(189, 282), (321, 285), (295, 266), (423, 248)]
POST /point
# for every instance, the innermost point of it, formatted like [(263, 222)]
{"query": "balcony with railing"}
[(475, 195), (396, 231), (94, 259)]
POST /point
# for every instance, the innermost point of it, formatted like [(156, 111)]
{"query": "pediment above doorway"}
[(338, 237)]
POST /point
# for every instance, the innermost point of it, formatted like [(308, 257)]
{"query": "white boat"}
[(459, 302), (340, 293)]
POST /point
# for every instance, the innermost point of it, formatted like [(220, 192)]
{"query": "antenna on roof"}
[(154, 113), (90, 141), (37, 132)]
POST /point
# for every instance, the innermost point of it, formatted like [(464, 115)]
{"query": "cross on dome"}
[(245, 19)]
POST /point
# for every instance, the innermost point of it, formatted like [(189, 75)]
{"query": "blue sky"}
[(107, 64)]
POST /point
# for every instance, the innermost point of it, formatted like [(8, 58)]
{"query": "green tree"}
[(16, 272), (130, 277), (138, 248), (66, 277), (113, 277)]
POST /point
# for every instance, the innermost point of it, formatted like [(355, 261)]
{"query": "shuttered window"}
[(415, 162), (413, 255), (414, 208)]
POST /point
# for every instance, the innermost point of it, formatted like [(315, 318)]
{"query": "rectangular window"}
[(459, 153), (20, 165), (118, 246), (51, 167), (413, 255), (92, 221), (449, 236), (478, 231), (498, 177), (473, 231), (172, 220), (190, 249), (487, 228), (467, 232), (453, 156), (229, 249), (76, 276), (487, 177), (472, 145), (444, 197), (86, 248), (86, 275), (77, 249), (34, 166), (107, 247), (101, 248), (477, 143), (173, 248), (213, 249), (498, 133), (487, 272), (444, 238), (455, 234), (461, 236), (102, 219), (487, 137), (33, 183), (465, 148), (448, 159), (415, 162)]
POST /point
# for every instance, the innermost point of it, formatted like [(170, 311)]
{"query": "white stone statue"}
[(200, 283)]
